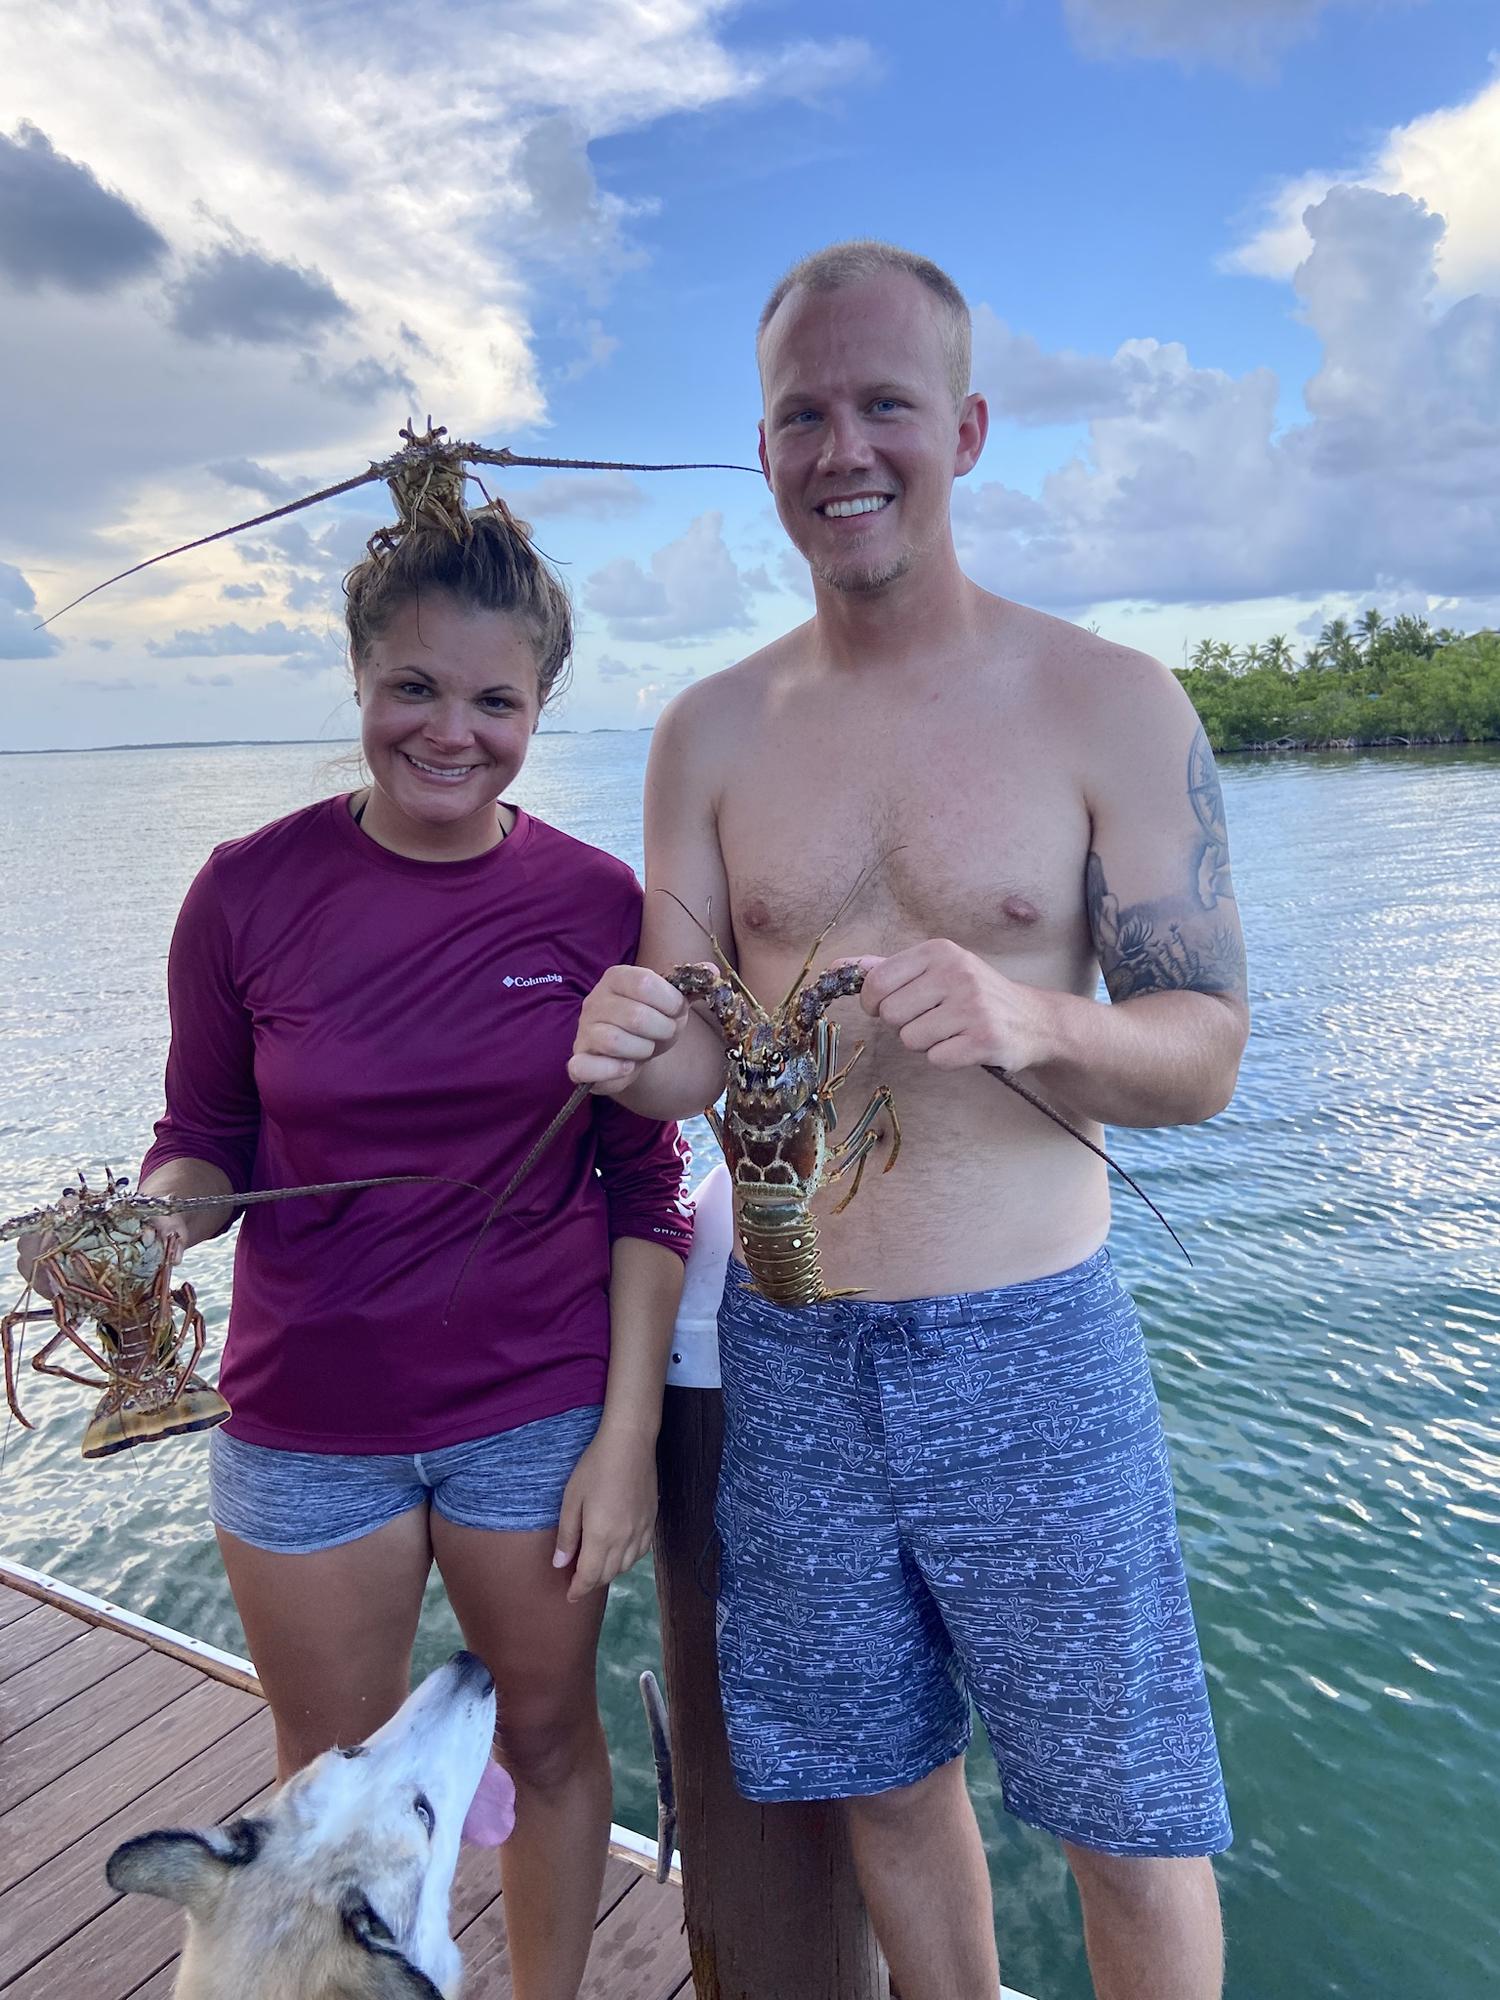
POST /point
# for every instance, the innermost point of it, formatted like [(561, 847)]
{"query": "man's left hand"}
[(948, 1005)]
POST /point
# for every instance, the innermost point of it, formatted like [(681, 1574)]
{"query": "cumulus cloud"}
[(611, 669), (1023, 382), (593, 496), (1190, 493), (1242, 34), (60, 226), (312, 140), (18, 616), (1449, 158), (234, 292), (694, 589)]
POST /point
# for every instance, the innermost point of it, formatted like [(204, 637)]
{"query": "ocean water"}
[(1327, 1369)]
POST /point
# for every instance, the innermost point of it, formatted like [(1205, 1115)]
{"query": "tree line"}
[(1375, 681)]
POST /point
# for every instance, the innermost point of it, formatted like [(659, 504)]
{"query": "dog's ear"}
[(393, 1976), (187, 1867)]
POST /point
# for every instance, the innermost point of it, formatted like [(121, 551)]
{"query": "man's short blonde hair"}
[(848, 263)]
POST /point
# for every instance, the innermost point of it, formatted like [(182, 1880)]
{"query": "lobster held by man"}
[(780, 1112)]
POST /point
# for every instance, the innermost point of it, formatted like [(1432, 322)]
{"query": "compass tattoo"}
[(1189, 942)]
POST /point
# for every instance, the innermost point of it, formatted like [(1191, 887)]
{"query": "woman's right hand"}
[(631, 1016)]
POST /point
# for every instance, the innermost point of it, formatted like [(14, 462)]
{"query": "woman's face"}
[(448, 702)]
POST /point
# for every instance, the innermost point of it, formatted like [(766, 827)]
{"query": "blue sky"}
[(238, 247)]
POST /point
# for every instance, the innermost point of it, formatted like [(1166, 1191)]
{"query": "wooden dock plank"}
[(13, 1604), (31, 1637), (47, 1684), (486, 1948), (90, 1721), (52, 1818), (55, 1901), (131, 1940)]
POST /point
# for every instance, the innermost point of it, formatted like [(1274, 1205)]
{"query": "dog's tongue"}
[(493, 1813)]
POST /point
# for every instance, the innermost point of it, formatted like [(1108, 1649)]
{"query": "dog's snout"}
[(471, 1670)]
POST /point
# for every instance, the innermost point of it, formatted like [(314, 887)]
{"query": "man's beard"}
[(858, 578)]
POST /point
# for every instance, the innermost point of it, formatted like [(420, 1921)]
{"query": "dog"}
[(339, 1889)]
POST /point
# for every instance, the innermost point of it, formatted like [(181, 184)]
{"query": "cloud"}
[(18, 616), (210, 680), (1239, 34), (694, 590), (121, 685), (1191, 494), (274, 640), (60, 226), (238, 591), (272, 486), (1448, 158), (593, 496), (611, 669), (233, 292), (379, 192), (1023, 382), (597, 346)]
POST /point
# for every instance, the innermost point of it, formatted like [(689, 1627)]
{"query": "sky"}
[(1235, 272)]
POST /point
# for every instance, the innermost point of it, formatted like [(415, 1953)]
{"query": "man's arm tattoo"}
[(1185, 943)]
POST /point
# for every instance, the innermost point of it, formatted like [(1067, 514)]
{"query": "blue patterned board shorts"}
[(295, 1503), (938, 1501)]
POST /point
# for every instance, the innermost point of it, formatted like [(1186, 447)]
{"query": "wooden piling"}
[(773, 1909)]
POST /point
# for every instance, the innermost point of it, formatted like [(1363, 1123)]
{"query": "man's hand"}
[(950, 1006), (631, 1016), (608, 1510)]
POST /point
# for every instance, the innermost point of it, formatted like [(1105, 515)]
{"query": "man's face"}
[(861, 439)]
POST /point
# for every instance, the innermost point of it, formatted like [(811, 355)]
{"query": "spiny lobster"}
[(426, 476), (779, 1112), (102, 1261)]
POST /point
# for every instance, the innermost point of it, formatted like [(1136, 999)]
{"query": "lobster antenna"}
[(512, 1184), (1114, 1166), (457, 454), (719, 953), (832, 923)]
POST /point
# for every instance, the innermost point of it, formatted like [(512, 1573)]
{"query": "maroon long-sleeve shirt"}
[(341, 1011)]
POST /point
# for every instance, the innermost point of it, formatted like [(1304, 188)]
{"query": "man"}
[(954, 1486)]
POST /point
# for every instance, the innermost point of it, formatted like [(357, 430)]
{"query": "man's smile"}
[(864, 503)]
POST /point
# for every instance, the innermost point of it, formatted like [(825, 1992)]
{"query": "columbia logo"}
[(538, 979)]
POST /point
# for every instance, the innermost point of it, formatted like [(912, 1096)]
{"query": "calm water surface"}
[(1327, 1368)]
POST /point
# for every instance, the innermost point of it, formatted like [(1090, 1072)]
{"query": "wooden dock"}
[(110, 1726)]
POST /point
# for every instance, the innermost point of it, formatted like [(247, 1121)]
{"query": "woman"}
[(388, 983)]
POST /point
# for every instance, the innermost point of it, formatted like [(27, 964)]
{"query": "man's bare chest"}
[(960, 842)]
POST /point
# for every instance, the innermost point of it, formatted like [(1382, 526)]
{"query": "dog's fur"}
[(339, 1889)]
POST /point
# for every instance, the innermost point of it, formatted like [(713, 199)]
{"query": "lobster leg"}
[(861, 1142), (8, 1327)]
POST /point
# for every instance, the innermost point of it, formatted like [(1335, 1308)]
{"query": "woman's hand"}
[(608, 1510), (171, 1231)]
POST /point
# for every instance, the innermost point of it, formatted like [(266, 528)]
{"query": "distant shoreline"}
[(253, 743)]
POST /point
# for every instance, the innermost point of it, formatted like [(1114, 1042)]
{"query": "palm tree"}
[(1202, 655), (1336, 645), (1278, 654), (1372, 632), (1250, 658)]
